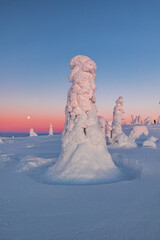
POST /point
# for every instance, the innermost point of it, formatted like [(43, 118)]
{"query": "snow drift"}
[(150, 142), (84, 156)]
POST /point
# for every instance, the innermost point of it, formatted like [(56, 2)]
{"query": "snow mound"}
[(150, 142), (137, 131), (1, 142), (122, 140), (84, 157), (32, 133), (130, 166), (31, 162)]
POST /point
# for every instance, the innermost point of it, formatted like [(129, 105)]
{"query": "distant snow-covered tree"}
[(50, 130), (32, 133)]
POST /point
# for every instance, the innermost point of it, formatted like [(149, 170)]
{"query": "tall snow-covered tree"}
[(84, 156)]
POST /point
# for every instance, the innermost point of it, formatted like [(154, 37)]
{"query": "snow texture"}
[(137, 131), (51, 130), (84, 156), (150, 142), (32, 133), (102, 123), (148, 121)]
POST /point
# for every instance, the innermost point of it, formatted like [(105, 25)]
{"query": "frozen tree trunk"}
[(84, 156), (32, 133), (51, 130), (117, 118)]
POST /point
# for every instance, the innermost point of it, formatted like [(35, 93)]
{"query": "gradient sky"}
[(38, 39)]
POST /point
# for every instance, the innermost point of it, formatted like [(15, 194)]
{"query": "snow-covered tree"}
[(148, 121), (117, 118), (50, 130), (158, 121), (137, 131), (119, 138), (1, 141), (136, 120), (32, 133), (84, 156)]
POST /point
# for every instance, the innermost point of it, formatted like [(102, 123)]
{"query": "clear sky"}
[(39, 38)]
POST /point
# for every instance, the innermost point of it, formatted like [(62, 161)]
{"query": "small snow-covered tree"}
[(158, 121), (1, 141), (84, 156), (117, 118), (50, 130), (32, 133), (119, 138), (136, 120)]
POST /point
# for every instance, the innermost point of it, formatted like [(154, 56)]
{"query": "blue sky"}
[(38, 39)]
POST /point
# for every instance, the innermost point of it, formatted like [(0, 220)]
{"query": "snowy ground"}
[(33, 209)]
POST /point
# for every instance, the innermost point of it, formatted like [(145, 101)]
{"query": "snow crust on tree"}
[(117, 118), (148, 121), (84, 156), (50, 130), (102, 123), (137, 131), (158, 121), (32, 133), (108, 130), (150, 142), (1, 141), (136, 120)]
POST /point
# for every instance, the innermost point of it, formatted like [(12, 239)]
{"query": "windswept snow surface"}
[(124, 210)]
